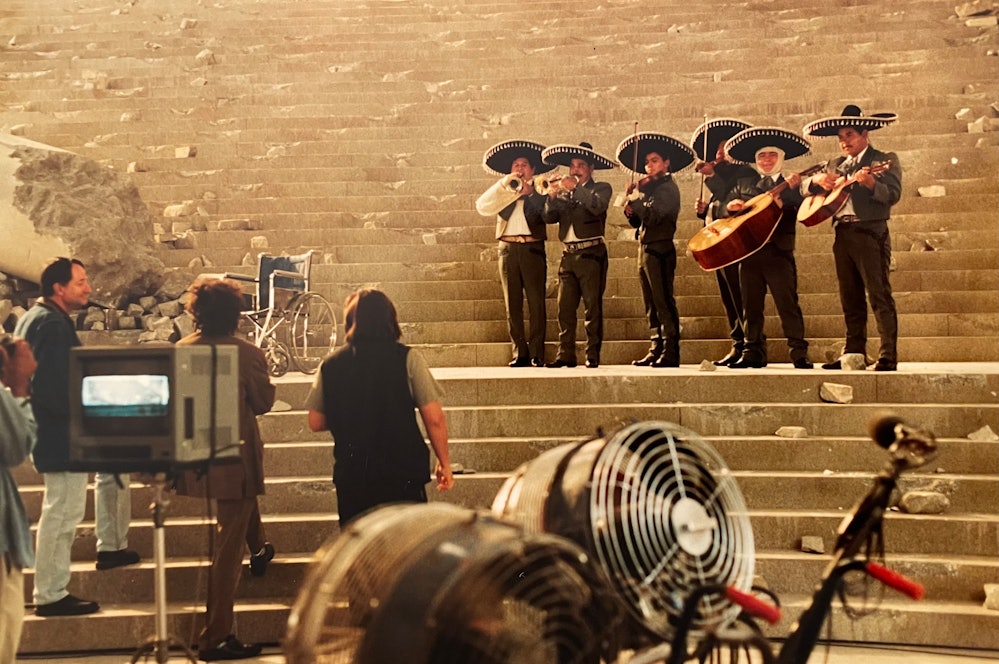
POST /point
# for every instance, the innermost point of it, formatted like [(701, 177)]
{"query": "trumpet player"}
[(579, 206), (521, 235), (652, 210)]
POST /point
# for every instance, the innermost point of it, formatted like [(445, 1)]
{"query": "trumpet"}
[(553, 183), (513, 183)]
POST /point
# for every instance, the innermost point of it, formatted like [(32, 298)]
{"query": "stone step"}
[(812, 490)]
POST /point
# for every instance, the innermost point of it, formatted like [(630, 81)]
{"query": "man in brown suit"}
[(216, 306)]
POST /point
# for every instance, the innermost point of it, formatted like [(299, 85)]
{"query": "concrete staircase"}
[(357, 128), (500, 419)]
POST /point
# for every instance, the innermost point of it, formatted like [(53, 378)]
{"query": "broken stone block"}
[(179, 227), (234, 225), (924, 502), (429, 238), (127, 323), (259, 242), (981, 22), (180, 209), (977, 127), (184, 324), (280, 406), (932, 191), (170, 308), (964, 113), (185, 241), (147, 303), (188, 23), (984, 434), (836, 393), (707, 365), (185, 152), (812, 544), (135, 310), (853, 361), (205, 57), (991, 596), (792, 432)]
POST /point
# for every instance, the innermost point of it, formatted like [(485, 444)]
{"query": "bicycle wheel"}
[(313, 330)]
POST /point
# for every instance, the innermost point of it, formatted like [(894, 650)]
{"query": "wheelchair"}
[(285, 319)]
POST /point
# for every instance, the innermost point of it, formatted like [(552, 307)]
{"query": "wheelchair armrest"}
[(297, 276), (239, 277)]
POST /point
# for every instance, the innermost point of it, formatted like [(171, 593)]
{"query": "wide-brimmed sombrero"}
[(744, 145), (563, 154), (499, 159), (851, 116), (719, 130), (634, 149)]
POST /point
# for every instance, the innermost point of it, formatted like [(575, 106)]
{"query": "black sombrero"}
[(851, 116), (499, 159), (640, 145), (718, 131), (744, 145), (563, 154)]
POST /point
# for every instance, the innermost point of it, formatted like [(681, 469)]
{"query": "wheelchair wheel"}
[(278, 359), (313, 331)]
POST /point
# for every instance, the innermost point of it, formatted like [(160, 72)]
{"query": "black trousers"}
[(731, 297), (775, 269), (862, 252), (356, 496), (581, 275), (656, 270), (523, 270)]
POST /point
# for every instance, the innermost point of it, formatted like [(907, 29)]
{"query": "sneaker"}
[(67, 606), (231, 648), (111, 559), (258, 561)]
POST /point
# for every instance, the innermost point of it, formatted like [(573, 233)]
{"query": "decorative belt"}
[(847, 219), (518, 239), (573, 247)]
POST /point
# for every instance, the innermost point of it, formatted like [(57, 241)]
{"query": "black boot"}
[(733, 356), (655, 350), (670, 356)]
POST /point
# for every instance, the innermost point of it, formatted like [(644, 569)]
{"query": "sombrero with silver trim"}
[(744, 145), (851, 116), (680, 156), (499, 159), (563, 154), (718, 130)]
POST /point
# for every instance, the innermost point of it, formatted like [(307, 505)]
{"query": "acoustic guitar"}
[(818, 207), (729, 240)]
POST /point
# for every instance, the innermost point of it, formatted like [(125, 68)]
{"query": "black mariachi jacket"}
[(654, 214), (585, 210), (783, 235)]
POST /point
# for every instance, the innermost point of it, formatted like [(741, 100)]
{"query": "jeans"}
[(62, 510)]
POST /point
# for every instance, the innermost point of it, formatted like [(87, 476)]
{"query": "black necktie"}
[(767, 183)]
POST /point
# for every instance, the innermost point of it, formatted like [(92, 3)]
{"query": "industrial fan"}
[(440, 584), (657, 509)]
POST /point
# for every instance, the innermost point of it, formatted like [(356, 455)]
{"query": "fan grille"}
[(441, 584)]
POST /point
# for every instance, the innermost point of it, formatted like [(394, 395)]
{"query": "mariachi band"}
[(751, 209)]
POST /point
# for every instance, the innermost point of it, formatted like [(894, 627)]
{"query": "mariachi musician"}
[(579, 206), (862, 248), (720, 175), (521, 234), (653, 205), (772, 265)]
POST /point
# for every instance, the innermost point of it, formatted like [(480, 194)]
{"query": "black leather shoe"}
[(666, 361), (258, 561), (833, 366), (592, 364), (727, 361), (538, 362), (558, 364), (67, 606), (884, 364), (748, 362), (803, 363), (111, 559), (231, 648), (645, 361), (520, 362)]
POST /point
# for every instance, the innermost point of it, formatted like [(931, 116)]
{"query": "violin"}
[(645, 182)]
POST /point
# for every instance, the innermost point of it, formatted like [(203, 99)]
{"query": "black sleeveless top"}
[(370, 412)]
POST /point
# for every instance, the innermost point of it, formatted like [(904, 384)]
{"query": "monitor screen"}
[(125, 404)]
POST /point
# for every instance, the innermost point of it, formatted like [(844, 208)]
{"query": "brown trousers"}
[(238, 527)]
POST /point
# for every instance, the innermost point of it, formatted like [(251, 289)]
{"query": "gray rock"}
[(707, 365), (924, 502), (147, 303), (170, 308), (991, 596), (127, 323), (812, 544), (184, 324), (985, 434)]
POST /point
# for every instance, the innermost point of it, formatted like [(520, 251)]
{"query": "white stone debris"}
[(812, 544), (792, 432), (707, 365), (836, 393), (985, 434), (991, 596), (932, 191)]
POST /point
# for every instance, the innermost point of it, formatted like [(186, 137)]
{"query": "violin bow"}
[(705, 141), (634, 156)]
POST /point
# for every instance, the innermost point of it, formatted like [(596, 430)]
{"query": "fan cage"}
[(440, 584)]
